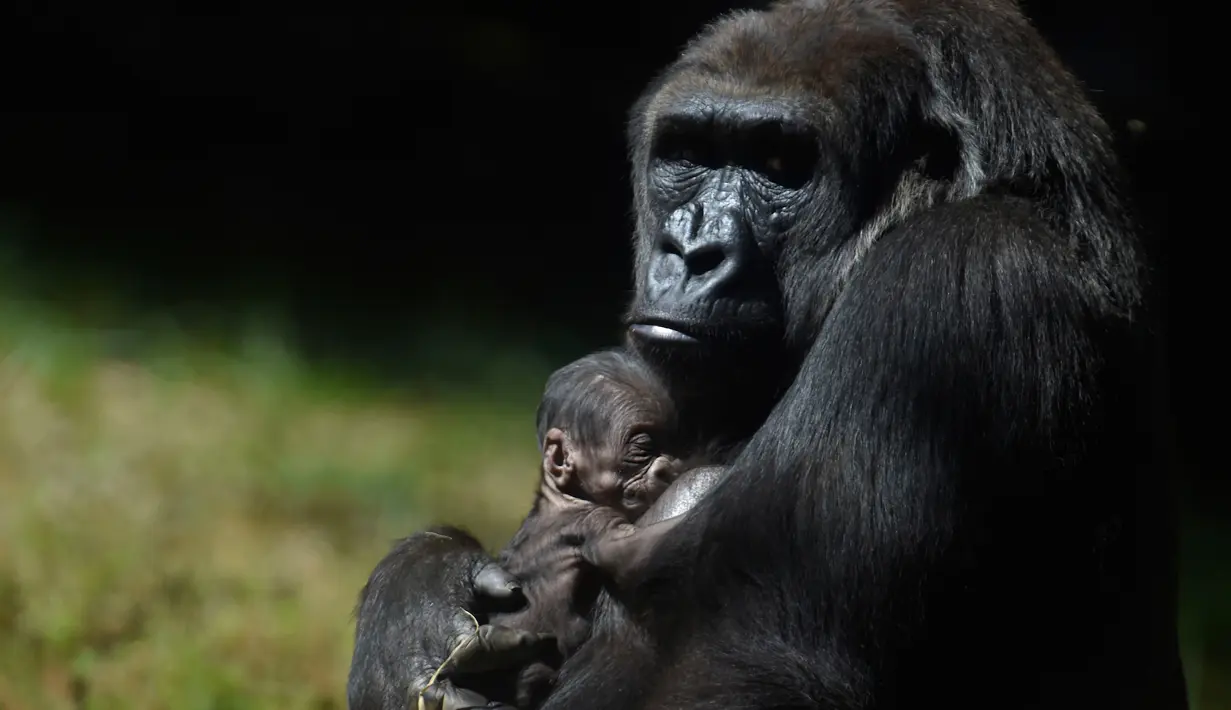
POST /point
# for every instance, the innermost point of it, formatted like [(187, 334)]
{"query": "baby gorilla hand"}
[(623, 551)]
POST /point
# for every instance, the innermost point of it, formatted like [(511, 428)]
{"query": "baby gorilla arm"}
[(623, 550)]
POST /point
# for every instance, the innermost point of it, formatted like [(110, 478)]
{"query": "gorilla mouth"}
[(662, 332), (724, 325)]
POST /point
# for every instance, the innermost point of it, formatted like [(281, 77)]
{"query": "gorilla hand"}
[(487, 648), (418, 624)]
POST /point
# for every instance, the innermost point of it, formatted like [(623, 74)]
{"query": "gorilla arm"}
[(683, 494), (892, 505)]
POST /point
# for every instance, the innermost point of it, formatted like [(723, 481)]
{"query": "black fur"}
[(952, 502), (948, 498), (395, 650)]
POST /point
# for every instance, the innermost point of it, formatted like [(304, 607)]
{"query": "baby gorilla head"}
[(607, 427)]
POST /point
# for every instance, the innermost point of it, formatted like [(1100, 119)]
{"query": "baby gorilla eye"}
[(639, 450), (633, 501)]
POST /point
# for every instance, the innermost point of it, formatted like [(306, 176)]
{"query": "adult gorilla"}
[(908, 214)]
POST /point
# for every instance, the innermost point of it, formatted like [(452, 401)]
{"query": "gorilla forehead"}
[(800, 48)]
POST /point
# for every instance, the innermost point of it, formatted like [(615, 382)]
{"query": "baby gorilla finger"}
[(624, 553), (497, 647)]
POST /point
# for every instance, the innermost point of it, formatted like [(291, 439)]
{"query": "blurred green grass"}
[(185, 519)]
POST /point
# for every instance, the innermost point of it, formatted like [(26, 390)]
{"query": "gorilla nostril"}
[(704, 260)]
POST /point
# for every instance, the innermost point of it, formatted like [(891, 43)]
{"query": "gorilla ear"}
[(557, 459)]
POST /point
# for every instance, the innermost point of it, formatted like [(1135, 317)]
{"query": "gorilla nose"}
[(703, 258), (700, 258), (702, 266)]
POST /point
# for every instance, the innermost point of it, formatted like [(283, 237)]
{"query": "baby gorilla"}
[(610, 450), (608, 430)]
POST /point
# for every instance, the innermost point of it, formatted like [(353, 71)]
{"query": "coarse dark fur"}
[(396, 651), (954, 501), (888, 238), (560, 591)]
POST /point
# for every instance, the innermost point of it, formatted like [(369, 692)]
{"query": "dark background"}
[(380, 174), (372, 167)]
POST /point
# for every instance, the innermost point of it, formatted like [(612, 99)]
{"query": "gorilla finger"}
[(446, 696), (625, 553), (501, 639), (609, 553), (494, 582), (595, 553), (611, 560), (432, 698), (499, 647)]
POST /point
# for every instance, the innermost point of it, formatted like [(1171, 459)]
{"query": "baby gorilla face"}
[(628, 470), (609, 433), (637, 472)]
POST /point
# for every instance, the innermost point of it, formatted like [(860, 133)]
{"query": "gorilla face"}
[(725, 181), (761, 179)]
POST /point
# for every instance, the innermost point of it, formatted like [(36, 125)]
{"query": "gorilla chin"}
[(728, 371)]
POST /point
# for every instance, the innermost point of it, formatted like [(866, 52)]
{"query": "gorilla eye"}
[(685, 147), (789, 170), (686, 155), (787, 158)]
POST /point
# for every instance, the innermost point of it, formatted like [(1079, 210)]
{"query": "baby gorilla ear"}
[(557, 459)]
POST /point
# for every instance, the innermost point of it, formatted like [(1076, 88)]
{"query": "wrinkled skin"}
[(610, 434), (885, 244)]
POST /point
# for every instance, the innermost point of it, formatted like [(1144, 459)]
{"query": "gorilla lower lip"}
[(661, 333)]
